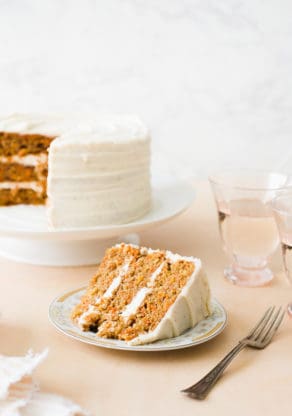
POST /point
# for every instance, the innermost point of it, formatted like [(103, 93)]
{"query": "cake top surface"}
[(169, 255), (75, 127)]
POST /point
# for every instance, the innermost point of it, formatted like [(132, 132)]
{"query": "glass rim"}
[(213, 179)]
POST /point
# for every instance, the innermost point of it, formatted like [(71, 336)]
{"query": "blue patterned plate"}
[(60, 310)]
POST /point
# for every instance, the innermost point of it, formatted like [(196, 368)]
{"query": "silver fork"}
[(259, 337)]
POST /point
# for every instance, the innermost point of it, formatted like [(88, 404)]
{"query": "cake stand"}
[(25, 236)]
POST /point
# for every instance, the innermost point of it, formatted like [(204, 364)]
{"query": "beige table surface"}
[(109, 382)]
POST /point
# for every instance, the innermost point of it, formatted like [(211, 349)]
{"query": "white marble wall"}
[(213, 79)]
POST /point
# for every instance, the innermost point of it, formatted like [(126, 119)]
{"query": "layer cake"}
[(141, 295), (89, 170)]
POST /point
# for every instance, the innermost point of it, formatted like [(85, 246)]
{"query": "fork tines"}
[(259, 337), (262, 334)]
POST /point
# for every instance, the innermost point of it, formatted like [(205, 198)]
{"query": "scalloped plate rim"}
[(167, 344)]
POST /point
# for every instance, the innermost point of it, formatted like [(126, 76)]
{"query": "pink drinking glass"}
[(246, 222), (282, 209)]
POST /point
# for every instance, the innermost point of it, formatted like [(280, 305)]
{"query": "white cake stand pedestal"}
[(60, 253)]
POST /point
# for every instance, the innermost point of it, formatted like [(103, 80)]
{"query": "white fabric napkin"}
[(44, 404), (19, 392)]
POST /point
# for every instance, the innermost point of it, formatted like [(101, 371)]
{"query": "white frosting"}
[(76, 126), (117, 280), (113, 286), (172, 257), (28, 160), (113, 179), (190, 307), (35, 186), (137, 300), (82, 320), (155, 274), (47, 124), (99, 167)]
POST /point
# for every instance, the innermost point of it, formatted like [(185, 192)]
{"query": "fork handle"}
[(201, 389)]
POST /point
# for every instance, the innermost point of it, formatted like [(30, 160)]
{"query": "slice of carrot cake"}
[(141, 295)]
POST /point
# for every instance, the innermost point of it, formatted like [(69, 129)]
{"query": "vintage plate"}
[(60, 310)]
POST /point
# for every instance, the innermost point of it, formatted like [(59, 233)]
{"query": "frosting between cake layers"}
[(27, 160), (82, 320), (117, 281), (34, 186)]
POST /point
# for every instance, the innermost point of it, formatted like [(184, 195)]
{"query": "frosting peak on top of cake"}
[(114, 129), (77, 127), (34, 123)]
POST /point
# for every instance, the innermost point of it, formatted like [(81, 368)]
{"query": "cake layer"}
[(27, 160), (18, 172), (23, 144), (12, 193), (37, 186), (23, 179), (141, 295)]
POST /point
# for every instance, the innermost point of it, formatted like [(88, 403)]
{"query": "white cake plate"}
[(25, 236)]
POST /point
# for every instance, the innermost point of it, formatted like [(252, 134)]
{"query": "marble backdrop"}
[(213, 79)]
